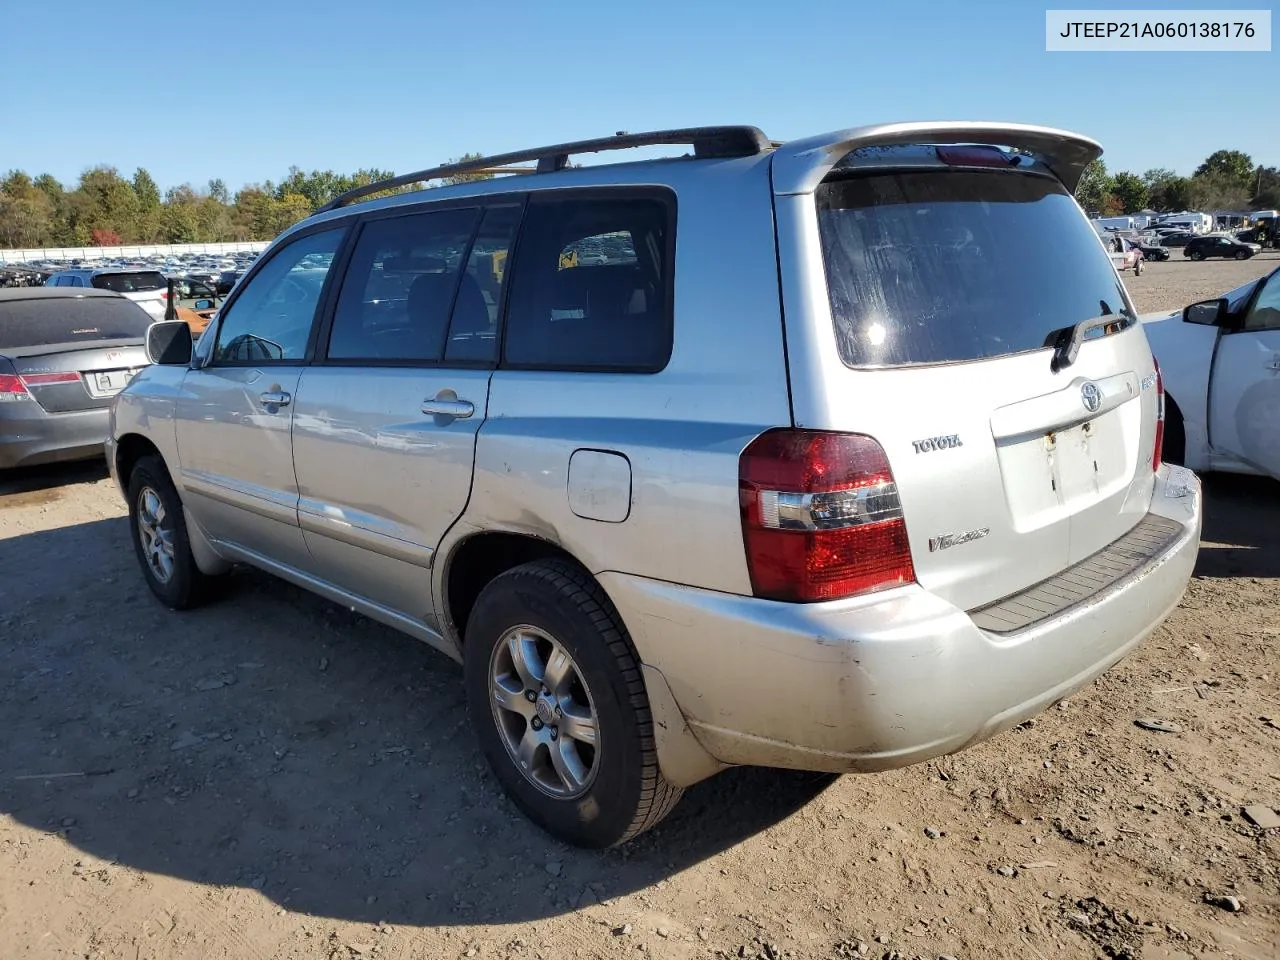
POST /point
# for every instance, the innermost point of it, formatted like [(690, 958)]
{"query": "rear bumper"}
[(52, 437), (891, 679)]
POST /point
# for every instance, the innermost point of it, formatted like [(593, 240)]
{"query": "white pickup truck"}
[(1220, 360)]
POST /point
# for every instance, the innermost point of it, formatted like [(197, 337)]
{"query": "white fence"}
[(134, 250)]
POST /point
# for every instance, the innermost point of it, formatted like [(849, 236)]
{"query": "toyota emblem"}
[(1091, 397)]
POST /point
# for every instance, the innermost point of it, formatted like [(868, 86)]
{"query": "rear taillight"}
[(12, 388), (821, 518), (1157, 455), (44, 379)]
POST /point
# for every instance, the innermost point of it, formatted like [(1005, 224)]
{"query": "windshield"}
[(130, 282), (69, 320), (950, 265)]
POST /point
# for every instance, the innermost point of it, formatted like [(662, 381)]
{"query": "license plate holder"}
[(107, 383)]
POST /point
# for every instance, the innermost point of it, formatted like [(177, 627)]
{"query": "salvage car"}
[(64, 354), (1202, 248), (880, 477), (1221, 364)]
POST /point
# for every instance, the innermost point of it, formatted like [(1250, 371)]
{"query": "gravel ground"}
[(275, 777)]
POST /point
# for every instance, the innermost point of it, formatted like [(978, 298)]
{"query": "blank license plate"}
[(108, 382)]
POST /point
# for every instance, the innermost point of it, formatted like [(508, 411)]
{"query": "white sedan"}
[(1220, 360)]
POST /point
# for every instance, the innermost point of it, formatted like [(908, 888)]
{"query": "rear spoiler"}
[(800, 165)]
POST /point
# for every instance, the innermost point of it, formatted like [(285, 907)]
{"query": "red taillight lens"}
[(1157, 456), (44, 379), (821, 518), (974, 156), (12, 388)]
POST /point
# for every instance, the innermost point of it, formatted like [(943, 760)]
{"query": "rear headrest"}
[(413, 265), (471, 312), (429, 297)]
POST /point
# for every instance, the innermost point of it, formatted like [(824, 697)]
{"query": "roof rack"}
[(707, 142)]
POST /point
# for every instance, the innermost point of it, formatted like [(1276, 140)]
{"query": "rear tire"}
[(1242, 255), (1137, 269), (158, 529), (596, 783), (1196, 255)]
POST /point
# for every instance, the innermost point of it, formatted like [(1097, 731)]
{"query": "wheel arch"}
[(129, 449), (478, 558)]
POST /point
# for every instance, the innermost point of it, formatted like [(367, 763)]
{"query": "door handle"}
[(445, 407), (1274, 365), (275, 398)]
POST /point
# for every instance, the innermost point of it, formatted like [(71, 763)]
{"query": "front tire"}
[(1242, 254), (557, 700), (160, 540), (1137, 269), (1196, 255)]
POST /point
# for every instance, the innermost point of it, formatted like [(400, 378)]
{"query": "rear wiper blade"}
[(1066, 342)]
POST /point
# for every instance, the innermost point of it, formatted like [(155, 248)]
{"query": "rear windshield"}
[(940, 266), (63, 320), (141, 282)]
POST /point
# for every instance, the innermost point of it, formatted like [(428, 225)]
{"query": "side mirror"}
[(169, 343), (204, 304), (1208, 313)]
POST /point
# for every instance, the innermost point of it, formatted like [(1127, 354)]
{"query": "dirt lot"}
[(277, 777)]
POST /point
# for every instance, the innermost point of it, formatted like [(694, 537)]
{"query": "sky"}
[(243, 90)]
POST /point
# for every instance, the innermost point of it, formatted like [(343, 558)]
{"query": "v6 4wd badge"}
[(929, 444)]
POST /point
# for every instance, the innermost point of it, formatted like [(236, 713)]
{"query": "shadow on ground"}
[(35, 485), (1241, 535), (277, 741)]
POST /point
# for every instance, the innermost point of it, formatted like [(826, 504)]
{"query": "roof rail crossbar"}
[(707, 142)]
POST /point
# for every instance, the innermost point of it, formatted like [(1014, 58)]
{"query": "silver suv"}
[(837, 454)]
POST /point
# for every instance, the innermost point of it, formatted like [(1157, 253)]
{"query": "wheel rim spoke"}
[(527, 751), (559, 672), (544, 712), (511, 700), (525, 660), (567, 765), (578, 724), (155, 536)]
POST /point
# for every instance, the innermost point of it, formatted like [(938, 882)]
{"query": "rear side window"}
[(942, 266), (591, 288), (69, 320), (399, 289), (141, 282)]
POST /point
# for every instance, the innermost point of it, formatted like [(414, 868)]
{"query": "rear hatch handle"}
[(1066, 342)]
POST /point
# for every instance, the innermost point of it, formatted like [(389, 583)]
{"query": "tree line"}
[(1227, 180), (105, 208)]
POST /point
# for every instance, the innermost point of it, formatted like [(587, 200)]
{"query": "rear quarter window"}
[(942, 266), (591, 284)]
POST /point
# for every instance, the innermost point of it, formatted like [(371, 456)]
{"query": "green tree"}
[(26, 212), (1171, 195), (1129, 189), (105, 201), (218, 191), (1266, 195), (1094, 189), (1216, 191), (145, 189), (467, 177), (178, 223), (1231, 166)]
